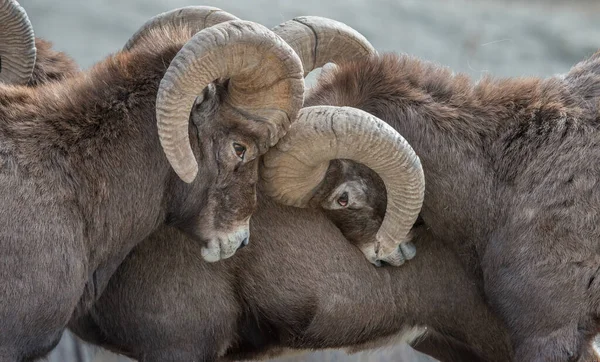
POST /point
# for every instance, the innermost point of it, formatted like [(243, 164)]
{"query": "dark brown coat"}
[(284, 292), (511, 171)]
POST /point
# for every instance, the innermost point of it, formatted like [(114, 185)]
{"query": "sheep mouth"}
[(224, 246), (405, 251)]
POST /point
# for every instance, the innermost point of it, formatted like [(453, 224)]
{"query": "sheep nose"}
[(244, 243)]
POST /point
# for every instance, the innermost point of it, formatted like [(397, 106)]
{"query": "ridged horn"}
[(319, 40), (265, 82), (195, 17), (17, 44), (294, 168)]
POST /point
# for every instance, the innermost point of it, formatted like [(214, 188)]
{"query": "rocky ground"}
[(503, 38)]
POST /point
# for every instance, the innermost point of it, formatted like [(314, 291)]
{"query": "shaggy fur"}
[(511, 167), (283, 292), (51, 65), (362, 218), (84, 179)]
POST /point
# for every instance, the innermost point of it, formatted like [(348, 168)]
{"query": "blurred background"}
[(498, 37)]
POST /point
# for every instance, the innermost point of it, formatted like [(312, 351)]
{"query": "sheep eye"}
[(240, 150), (343, 199)]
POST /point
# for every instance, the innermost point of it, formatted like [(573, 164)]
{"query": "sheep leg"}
[(540, 300)]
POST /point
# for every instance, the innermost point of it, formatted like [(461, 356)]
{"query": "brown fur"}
[(51, 65), (511, 168), (284, 292), (84, 179), (356, 226)]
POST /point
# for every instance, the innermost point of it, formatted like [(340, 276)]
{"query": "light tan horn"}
[(294, 168), (265, 82), (319, 40), (17, 44), (196, 17)]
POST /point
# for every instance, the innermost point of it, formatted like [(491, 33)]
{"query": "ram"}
[(85, 178)]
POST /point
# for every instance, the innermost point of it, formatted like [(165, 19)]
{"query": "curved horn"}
[(265, 81), (318, 41), (197, 17), (17, 44), (294, 168)]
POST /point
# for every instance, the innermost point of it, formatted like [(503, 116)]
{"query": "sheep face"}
[(227, 148), (354, 198), (244, 87)]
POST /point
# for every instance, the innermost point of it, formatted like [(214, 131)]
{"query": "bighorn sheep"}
[(85, 178), (300, 286)]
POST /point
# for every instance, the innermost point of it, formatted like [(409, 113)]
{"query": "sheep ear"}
[(207, 93)]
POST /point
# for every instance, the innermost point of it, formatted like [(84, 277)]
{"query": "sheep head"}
[(294, 175), (315, 40), (244, 86), (297, 167)]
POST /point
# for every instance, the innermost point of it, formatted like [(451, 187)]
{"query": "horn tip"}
[(188, 176)]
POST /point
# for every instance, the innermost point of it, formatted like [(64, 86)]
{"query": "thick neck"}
[(134, 166)]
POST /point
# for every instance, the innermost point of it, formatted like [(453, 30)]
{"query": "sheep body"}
[(260, 307), (511, 168)]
